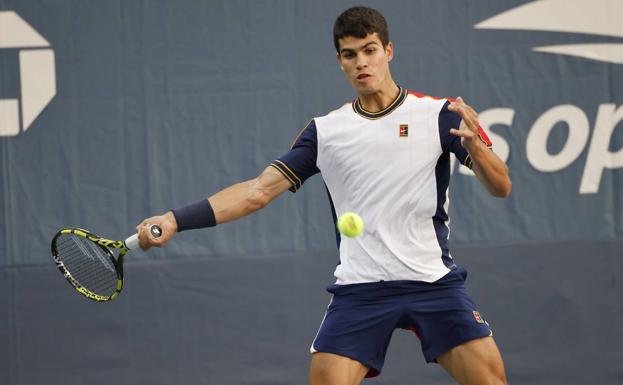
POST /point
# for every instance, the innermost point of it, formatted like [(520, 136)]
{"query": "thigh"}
[(333, 369), (444, 318), (474, 362), (358, 328)]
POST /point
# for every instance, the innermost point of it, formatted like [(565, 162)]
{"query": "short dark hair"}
[(359, 22)]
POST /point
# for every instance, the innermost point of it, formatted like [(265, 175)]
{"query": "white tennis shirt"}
[(393, 169)]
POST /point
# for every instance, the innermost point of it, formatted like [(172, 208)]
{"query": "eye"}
[(348, 55), (370, 50)]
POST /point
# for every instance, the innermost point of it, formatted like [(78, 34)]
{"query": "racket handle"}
[(132, 242)]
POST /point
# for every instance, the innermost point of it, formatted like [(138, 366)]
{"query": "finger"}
[(467, 134), (144, 234), (467, 126), (469, 110), (141, 241), (158, 241), (464, 114), (469, 116), (461, 103), (469, 120), (463, 110), (461, 133), (144, 246), (454, 104), (140, 225), (470, 113)]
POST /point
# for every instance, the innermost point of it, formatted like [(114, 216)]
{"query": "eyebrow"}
[(343, 50)]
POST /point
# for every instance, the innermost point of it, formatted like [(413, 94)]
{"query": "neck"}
[(380, 99)]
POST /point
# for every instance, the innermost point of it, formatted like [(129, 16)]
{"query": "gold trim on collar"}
[(402, 95)]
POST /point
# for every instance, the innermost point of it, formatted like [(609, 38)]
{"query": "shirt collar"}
[(402, 95)]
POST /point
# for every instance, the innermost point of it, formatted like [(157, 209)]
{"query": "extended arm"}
[(244, 198), (488, 167), (229, 204)]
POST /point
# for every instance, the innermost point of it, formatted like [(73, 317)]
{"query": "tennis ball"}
[(350, 224)]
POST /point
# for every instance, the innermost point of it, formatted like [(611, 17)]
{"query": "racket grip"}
[(132, 241)]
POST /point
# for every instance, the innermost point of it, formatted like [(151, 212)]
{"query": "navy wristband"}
[(195, 216)]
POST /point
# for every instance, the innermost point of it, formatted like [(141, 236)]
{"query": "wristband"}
[(195, 216)]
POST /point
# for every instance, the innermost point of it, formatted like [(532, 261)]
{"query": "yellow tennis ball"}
[(350, 224)]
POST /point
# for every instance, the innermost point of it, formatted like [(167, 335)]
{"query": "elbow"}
[(259, 194), (503, 186), (257, 201), (503, 190)]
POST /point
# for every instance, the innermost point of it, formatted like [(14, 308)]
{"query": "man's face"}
[(365, 62)]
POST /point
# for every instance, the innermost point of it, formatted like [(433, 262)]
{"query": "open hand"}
[(468, 129)]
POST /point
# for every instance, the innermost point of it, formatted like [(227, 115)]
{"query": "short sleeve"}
[(299, 163), (451, 143)]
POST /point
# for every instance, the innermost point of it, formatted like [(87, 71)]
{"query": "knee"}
[(330, 369), (320, 375), (497, 374)]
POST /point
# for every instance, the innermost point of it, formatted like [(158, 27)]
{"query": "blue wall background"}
[(161, 103)]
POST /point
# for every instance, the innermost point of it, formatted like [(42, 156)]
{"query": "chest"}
[(404, 141)]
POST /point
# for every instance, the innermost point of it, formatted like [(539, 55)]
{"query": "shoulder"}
[(427, 101), (342, 112), (338, 118), (434, 104), (436, 108)]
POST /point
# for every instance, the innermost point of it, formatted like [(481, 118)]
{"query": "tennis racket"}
[(88, 263)]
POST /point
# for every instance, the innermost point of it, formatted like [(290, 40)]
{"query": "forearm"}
[(238, 201), (490, 170), (227, 205), (244, 198)]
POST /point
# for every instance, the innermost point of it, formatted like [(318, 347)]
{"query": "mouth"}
[(363, 76)]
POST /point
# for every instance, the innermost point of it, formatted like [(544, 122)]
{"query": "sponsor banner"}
[(111, 111)]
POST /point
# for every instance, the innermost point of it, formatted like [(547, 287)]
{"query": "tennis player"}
[(385, 156)]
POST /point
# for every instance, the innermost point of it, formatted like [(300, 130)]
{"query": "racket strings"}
[(89, 264)]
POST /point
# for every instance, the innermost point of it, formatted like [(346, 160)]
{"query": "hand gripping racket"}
[(88, 263)]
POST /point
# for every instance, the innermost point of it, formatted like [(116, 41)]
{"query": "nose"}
[(361, 62)]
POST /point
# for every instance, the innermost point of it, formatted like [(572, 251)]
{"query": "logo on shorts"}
[(478, 317), (403, 132)]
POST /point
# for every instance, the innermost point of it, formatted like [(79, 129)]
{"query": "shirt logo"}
[(403, 132), (478, 317)]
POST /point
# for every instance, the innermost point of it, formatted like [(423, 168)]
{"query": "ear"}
[(337, 56), (389, 50)]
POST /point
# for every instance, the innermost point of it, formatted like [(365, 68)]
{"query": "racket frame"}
[(106, 245)]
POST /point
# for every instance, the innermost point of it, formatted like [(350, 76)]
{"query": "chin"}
[(365, 90)]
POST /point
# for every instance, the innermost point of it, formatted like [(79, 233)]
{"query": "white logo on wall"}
[(593, 17), (36, 72), (596, 17)]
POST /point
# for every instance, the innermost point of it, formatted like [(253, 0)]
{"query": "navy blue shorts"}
[(361, 318)]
